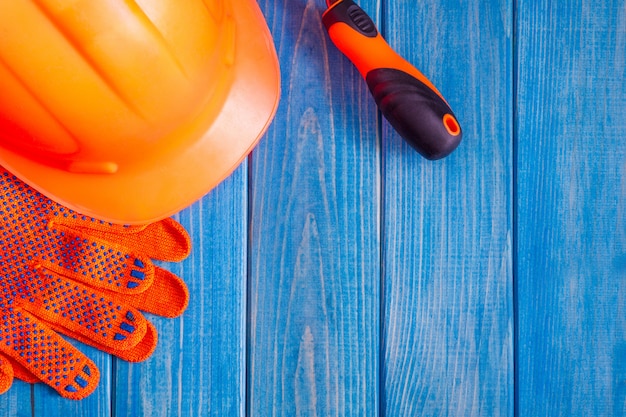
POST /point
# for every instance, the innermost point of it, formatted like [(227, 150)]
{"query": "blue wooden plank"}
[(314, 244), (571, 204), (198, 368), (17, 401), (447, 225)]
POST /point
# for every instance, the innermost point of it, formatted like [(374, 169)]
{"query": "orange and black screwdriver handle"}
[(407, 99)]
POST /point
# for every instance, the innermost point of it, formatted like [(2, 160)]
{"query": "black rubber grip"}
[(351, 14), (415, 111)]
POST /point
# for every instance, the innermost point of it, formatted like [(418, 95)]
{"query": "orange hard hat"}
[(131, 111)]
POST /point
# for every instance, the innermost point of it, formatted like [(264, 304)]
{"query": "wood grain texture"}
[(338, 273), (314, 243), (17, 401), (447, 247), (198, 368), (571, 205)]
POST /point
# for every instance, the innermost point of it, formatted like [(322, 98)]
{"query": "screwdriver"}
[(407, 99)]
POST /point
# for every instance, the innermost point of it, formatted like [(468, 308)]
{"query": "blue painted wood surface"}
[(338, 273), (571, 209), (447, 225)]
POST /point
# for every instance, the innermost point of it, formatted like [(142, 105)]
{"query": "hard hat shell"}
[(131, 111)]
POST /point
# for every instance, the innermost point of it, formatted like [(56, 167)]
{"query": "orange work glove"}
[(67, 273)]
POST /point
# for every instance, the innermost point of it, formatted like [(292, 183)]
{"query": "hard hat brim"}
[(172, 182)]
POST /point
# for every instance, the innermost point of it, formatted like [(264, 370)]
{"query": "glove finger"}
[(138, 282), (83, 310), (96, 262), (168, 295), (47, 356), (165, 240), (6, 374), (140, 352)]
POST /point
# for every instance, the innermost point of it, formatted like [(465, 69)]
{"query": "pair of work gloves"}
[(64, 273)]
